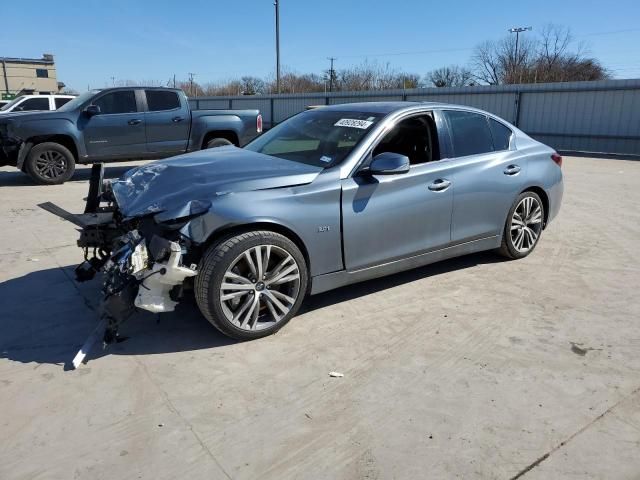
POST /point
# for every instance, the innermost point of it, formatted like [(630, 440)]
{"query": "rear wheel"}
[(523, 227), (218, 142), (50, 163), (250, 285)]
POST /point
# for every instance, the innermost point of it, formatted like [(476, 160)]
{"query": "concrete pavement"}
[(471, 368)]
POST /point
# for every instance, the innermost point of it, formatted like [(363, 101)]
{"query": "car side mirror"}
[(92, 110), (389, 163), (18, 109)]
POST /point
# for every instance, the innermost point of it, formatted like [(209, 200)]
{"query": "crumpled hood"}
[(187, 184)]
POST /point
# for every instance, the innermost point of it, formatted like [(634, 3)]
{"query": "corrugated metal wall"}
[(601, 116)]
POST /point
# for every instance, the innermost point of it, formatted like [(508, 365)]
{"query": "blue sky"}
[(218, 39)]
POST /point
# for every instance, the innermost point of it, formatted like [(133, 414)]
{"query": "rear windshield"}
[(318, 137)]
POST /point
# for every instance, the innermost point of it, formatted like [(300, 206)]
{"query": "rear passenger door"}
[(118, 130), (167, 122), (487, 174)]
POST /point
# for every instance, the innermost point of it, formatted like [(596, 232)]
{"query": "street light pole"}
[(276, 3), (517, 31), (331, 74)]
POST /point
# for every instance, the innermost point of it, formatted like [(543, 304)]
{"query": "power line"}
[(462, 49)]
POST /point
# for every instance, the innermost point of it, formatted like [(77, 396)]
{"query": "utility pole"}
[(191, 75), (113, 81), (331, 73), (276, 3), (517, 31), (174, 80)]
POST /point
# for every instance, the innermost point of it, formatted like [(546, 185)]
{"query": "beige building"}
[(28, 76)]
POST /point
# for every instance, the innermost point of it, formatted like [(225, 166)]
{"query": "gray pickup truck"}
[(117, 124)]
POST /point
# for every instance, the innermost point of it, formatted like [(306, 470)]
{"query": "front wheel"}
[(250, 285), (523, 227), (50, 163)]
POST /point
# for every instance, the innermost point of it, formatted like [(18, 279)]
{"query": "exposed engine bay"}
[(144, 263)]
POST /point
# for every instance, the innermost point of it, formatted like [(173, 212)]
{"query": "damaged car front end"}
[(146, 232), (144, 260)]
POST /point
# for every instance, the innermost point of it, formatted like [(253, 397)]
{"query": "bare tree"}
[(252, 85), (545, 58), (451, 76)]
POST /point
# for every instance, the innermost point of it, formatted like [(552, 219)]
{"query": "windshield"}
[(11, 103), (79, 100), (318, 137)]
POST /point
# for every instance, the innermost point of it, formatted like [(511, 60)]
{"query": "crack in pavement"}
[(541, 459), (172, 408)]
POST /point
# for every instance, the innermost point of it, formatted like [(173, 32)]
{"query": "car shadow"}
[(16, 178), (47, 316)]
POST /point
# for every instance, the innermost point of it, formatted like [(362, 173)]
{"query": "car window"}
[(470, 133), (501, 135), (32, 104), (158, 100), (61, 101), (122, 101), (414, 137)]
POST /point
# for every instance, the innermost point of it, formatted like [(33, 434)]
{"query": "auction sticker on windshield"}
[(353, 123)]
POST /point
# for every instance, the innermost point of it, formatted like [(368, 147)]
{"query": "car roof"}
[(386, 108), (392, 107)]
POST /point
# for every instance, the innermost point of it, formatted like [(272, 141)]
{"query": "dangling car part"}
[(332, 196)]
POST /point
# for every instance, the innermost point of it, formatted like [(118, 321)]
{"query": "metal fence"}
[(599, 117)]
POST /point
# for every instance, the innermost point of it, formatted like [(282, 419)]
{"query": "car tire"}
[(232, 296), (218, 142), (523, 227), (50, 163)]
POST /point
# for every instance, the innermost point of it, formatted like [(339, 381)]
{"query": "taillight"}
[(259, 123), (557, 158)]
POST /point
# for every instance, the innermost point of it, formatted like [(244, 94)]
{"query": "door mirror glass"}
[(389, 163), (92, 110)]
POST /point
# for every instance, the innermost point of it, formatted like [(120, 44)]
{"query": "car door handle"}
[(177, 119), (439, 185), (512, 170), (135, 121)]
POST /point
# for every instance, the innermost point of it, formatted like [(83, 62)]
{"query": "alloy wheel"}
[(50, 164), (260, 287), (526, 224)]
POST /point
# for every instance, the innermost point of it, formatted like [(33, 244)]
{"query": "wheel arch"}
[(65, 140), (232, 230), (230, 135), (545, 200)]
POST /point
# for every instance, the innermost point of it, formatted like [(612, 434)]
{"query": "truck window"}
[(158, 100), (61, 101), (121, 101), (33, 104)]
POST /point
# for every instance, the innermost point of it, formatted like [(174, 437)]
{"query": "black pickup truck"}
[(116, 124)]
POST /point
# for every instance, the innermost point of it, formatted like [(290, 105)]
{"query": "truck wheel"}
[(218, 142), (50, 163), (250, 285)]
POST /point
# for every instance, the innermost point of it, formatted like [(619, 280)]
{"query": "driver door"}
[(118, 131), (390, 217)]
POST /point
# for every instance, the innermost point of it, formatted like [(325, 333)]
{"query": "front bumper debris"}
[(142, 265)]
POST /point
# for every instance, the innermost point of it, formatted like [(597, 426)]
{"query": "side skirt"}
[(329, 281)]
